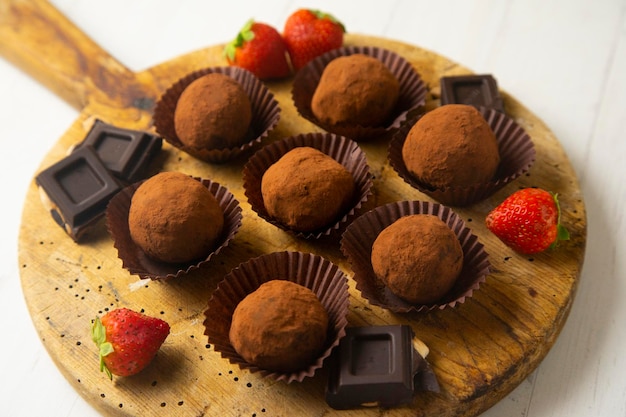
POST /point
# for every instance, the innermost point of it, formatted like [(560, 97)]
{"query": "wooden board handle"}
[(37, 38)]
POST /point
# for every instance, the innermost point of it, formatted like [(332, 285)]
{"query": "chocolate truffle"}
[(355, 90), (173, 218), (418, 257), (213, 112), (281, 326), (451, 146), (306, 189)]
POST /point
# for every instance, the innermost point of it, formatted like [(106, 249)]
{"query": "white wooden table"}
[(563, 59)]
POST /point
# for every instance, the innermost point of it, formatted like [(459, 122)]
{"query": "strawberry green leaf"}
[(104, 368), (98, 332), (98, 335), (561, 232), (245, 35), (106, 349), (323, 15)]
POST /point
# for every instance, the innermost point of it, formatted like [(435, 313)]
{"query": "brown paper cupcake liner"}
[(321, 276), (412, 91), (265, 113), (343, 150), (137, 262), (517, 155), (357, 241)]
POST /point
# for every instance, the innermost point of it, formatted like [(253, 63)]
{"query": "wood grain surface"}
[(480, 350)]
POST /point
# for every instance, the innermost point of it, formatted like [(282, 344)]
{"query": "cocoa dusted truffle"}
[(306, 189), (355, 90), (213, 112), (282, 326), (451, 146), (418, 257), (173, 218)]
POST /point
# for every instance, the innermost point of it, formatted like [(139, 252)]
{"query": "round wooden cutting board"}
[(479, 351)]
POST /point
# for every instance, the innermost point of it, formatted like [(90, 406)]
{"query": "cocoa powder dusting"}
[(451, 146), (306, 189), (281, 326), (355, 90), (213, 112), (418, 258), (174, 218)]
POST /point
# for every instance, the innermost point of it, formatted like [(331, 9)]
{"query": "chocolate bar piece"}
[(475, 90), (375, 366), (77, 189), (125, 152)]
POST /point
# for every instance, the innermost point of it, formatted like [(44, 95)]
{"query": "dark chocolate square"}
[(475, 90), (77, 190), (373, 365), (125, 152)]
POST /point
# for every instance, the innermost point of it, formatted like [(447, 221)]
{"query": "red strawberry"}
[(260, 49), (528, 221), (310, 33), (127, 340)]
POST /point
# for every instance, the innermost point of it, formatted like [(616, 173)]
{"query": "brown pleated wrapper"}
[(321, 276), (517, 155), (357, 241), (343, 150), (412, 91), (137, 262), (265, 114)]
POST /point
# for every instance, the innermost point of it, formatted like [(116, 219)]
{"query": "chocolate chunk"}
[(77, 190), (125, 152), (475, 90), (377, 365)]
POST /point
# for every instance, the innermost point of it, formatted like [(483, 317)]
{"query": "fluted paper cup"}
[(412, 91), (341, 149), (325, 279), (357, 241), (265, 114), (517, 155), (137, 262)]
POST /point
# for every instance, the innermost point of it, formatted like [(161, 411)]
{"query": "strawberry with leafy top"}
[(310, 33), (528, 221), (260, 49), (127, 340)]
